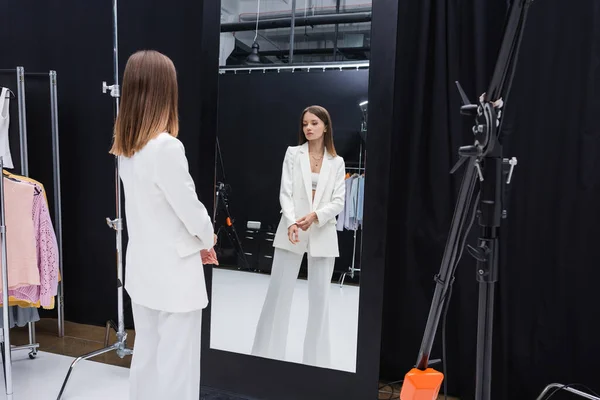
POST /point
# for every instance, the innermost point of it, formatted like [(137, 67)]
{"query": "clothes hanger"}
[(10, 93)]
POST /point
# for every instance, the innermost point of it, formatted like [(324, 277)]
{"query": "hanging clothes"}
[(342, 218), (4, 124), (46, 250), (18, 316), (351, 217), (361, 199), (20, 235)]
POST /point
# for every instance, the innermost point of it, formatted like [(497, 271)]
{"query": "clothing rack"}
[(293, 68), (352, 270), (6, 347)]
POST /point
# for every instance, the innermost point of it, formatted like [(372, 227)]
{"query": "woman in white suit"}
[(312, 194), (168, 227)]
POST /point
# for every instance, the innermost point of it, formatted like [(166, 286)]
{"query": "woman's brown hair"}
[(324, 116), (148, 102)]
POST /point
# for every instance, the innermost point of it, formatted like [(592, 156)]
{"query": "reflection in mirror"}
[(289, 214), (290, 179)]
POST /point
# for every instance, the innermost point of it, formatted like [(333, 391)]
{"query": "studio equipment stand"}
[(222, 217), (117, 224), (485, 163), (567, 388)]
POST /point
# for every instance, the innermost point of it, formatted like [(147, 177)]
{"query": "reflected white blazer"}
[(321, 239), (167, 227)]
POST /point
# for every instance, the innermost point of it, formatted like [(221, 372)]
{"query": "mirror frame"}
[(254, 377)]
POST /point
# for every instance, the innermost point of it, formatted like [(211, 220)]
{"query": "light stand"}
[(557, 387), (117, 224), (226, 222), (486, 163)]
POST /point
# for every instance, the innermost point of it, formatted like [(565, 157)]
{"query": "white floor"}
[(237, 301), (42, 378)]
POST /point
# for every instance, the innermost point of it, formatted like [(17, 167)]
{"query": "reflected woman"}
[(312, 194)]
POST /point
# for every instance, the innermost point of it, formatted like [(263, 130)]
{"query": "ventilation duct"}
[(275, 23)]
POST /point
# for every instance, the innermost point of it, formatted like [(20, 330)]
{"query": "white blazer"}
[(295, 196), (167, 227)]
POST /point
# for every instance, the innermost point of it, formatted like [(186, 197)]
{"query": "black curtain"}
[(75, 39), (546, 299)]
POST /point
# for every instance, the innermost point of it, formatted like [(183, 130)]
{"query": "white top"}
[(4, 123), (315, 180), (167, 227)]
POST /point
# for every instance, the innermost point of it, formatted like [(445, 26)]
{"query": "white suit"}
[(295, 198), (167, 227), (321, 244)]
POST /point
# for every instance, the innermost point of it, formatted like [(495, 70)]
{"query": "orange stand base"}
[(421, 385)]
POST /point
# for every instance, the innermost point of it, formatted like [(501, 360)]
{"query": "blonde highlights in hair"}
[(149, 102)]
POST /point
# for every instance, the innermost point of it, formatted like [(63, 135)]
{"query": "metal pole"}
[(337, 30), (6, 323), (24, 155), (566, 388), (22, 120), (120, 347), (292, 32), (118, 226), (57, 199)]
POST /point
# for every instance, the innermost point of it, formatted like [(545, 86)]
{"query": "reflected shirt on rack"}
[(352, 215)]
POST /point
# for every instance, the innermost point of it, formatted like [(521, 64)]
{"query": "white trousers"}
[(166, 355), (272, 331)]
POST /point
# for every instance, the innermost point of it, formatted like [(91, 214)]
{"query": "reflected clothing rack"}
[(22, 117), (352, 270)]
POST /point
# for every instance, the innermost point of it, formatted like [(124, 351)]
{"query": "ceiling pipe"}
[(366, 7), (328, 19), (305, 52)]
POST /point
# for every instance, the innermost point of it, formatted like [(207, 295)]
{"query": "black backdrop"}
[(75, 39), (547, 300), (546, 319), (254, 134)]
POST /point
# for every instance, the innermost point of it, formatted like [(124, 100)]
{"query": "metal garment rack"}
[(293, 68), (120, 346), (352, 270), (7, 349), (363, 129)]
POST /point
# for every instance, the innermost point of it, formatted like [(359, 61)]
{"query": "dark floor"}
[(82, 339)]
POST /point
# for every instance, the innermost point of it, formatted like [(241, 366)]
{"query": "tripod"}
[(486, 164), (117, 224), (222, 207), (222, 204)]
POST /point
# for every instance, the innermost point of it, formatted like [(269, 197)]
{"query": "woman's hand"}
[(305, 222), (216, 239), (293, 234)]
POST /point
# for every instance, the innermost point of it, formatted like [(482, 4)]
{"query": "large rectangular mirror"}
[(290, 170)]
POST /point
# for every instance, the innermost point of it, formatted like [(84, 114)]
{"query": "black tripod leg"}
[(447, 268), (487, 254), (484, 341)]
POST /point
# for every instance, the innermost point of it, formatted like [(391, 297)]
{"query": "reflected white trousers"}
[(166, 355), (272, 331)]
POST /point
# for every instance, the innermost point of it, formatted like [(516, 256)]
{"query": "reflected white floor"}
[(237, 301), (42, 378)]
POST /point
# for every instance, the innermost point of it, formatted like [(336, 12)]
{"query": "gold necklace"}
[(317, 160)]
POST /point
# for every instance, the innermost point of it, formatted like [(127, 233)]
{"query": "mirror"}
[(291, 166)]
